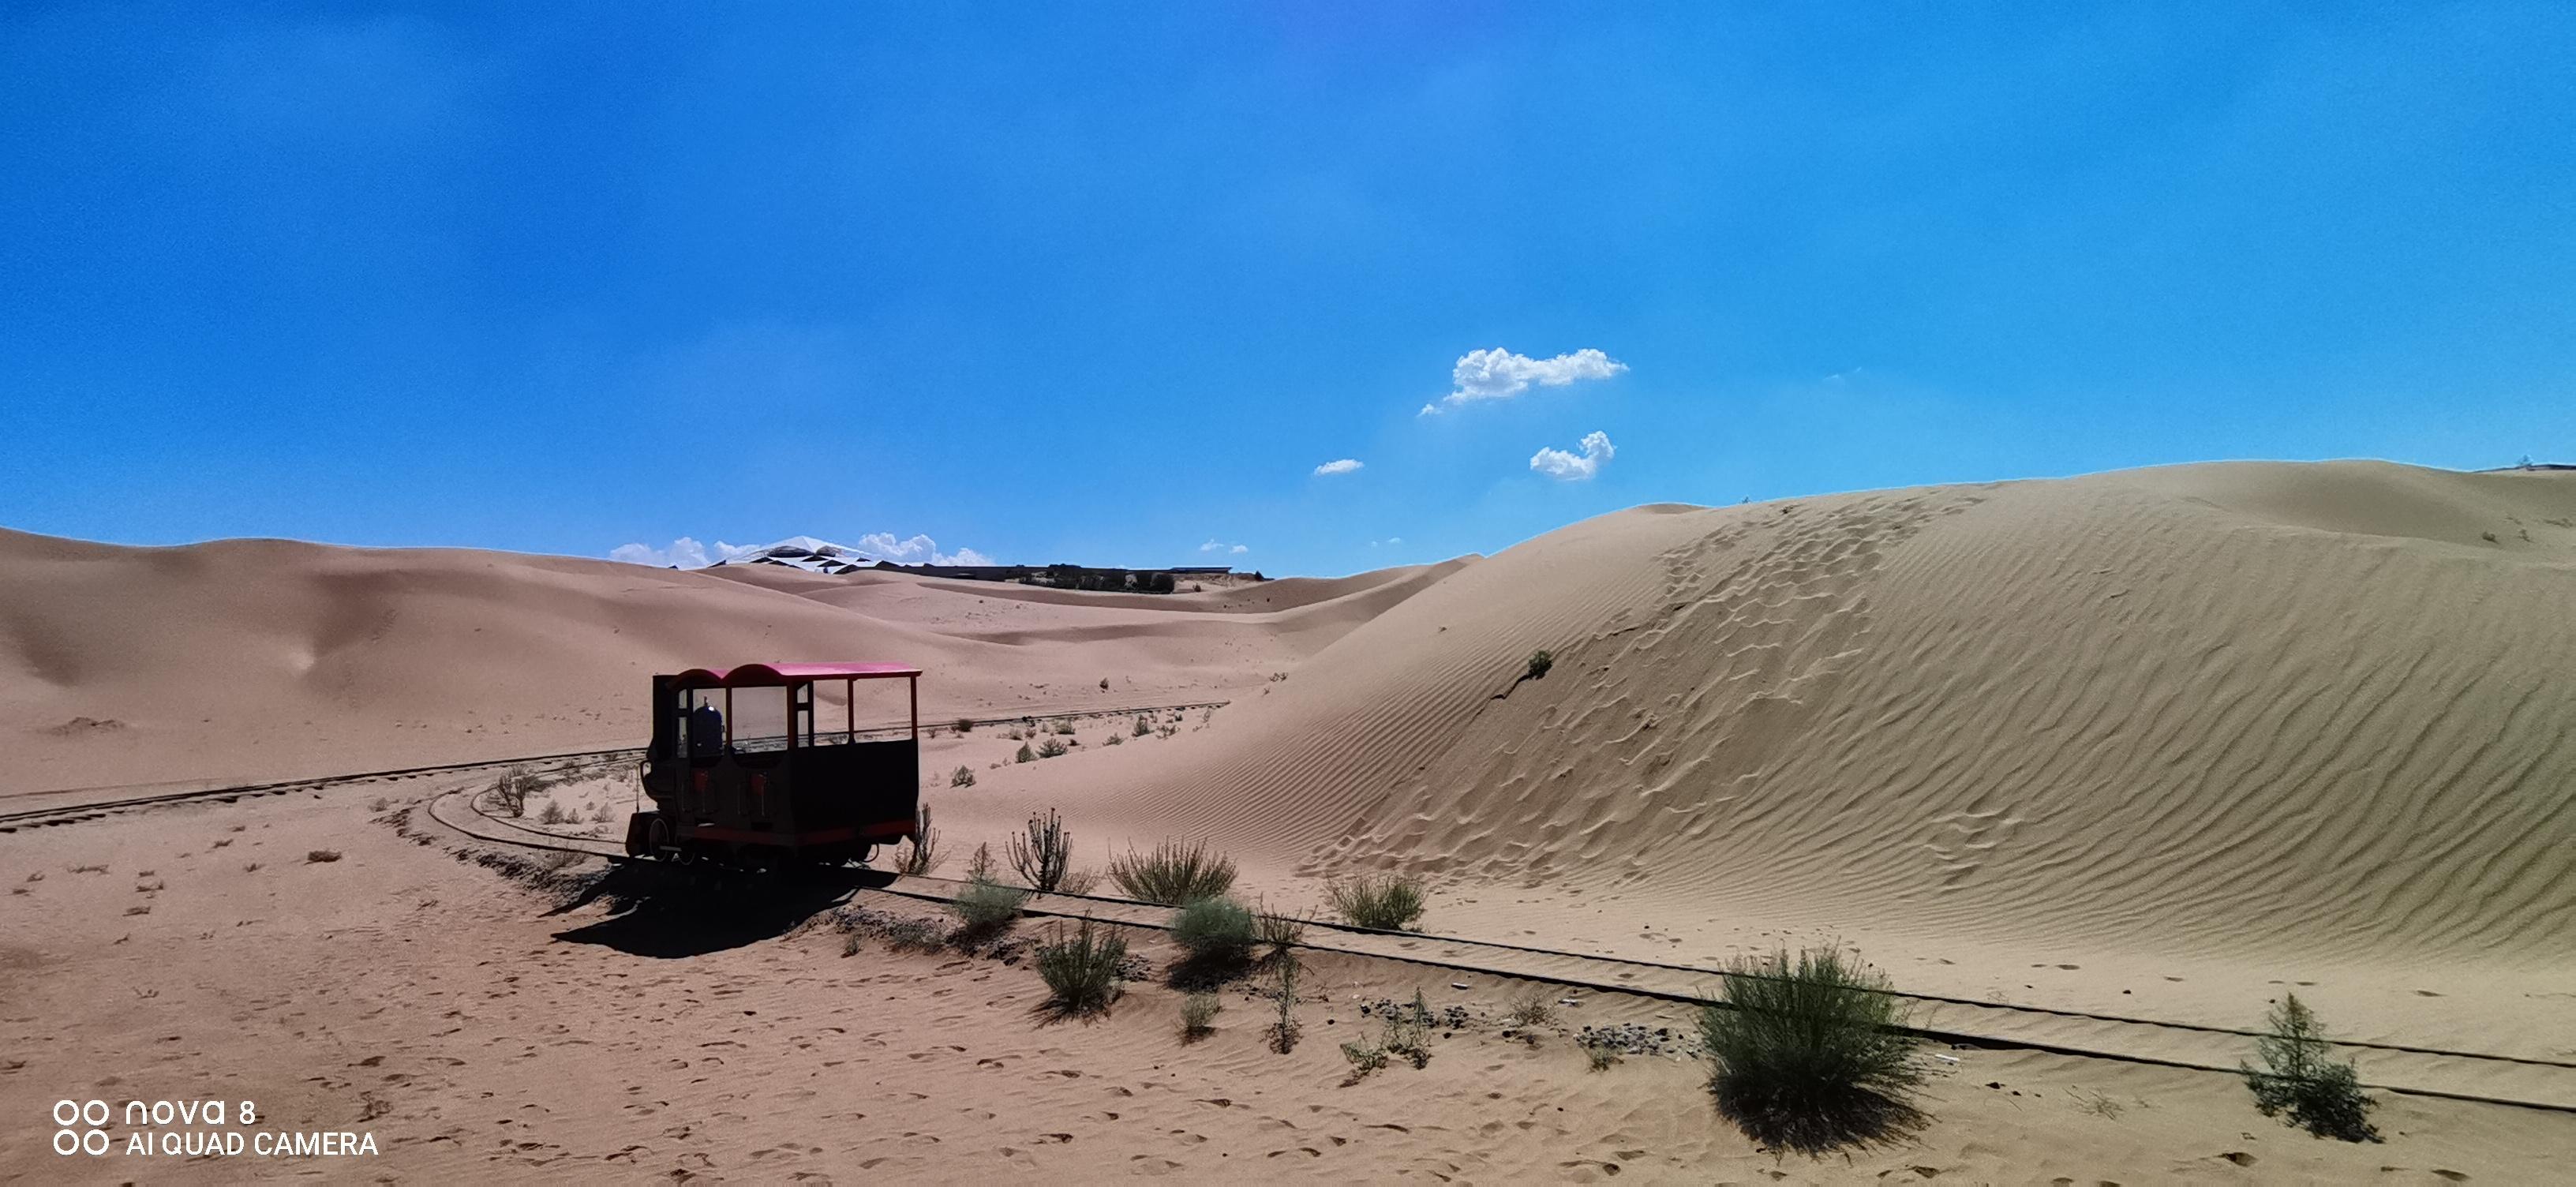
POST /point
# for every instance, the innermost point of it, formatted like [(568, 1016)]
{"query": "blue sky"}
[(1109, 283)]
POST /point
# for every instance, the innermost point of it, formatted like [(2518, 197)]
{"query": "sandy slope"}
[(2191, 732), (253, 659)]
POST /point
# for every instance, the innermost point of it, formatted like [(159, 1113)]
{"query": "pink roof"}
[(775, 675)]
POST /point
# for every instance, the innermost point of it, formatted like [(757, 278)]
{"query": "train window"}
[(701, 734), (821, 713), (759, 719)]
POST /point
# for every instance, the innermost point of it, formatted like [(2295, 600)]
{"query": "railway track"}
[(87, 810), (1961, 1023)]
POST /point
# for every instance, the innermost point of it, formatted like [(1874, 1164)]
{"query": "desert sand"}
[(2157, 744)]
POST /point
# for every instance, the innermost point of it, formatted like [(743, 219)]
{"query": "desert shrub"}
[(1066, 727), (1173, 874), (1044, 854), (1081, 969), (980, 867), (379, 804), (1167, 729), (1198, 1014), (1530, 1009), (850, 944), (1025, 754), (250, 867), (1539, 662), (317, 856), (559, 859), (510, 792), (1600, 1054), (603, 814), (1280, 932), (1077, 882), (1283, 991), (916, 935), (1408, 1031), (965, 725), (556, 814), (1117, 740), (1049, 748), (921, 854), (1808, 1053), (961, 777), (1214, 930), (1378, 900), (1143, 727), (1365, 1058), (986, 906), (2300, 1083)]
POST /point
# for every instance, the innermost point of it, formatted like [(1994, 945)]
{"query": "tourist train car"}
[(766, 766)]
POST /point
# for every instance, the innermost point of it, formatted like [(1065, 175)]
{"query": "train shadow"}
[(668, 914)]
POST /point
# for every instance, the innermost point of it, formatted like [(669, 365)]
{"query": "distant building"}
[(1062, 576)]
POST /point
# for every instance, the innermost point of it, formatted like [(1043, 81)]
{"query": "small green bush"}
[(2301, 1084), (965, 725), (1280, 932), (1284, 1032), (1049, 748), (986, 906), (961, 777), (1198, 1014), (555, 814), (1081, 970), (1530, 1009), (1066, 727), (1025, 754), (1408, 1031), (1214, 930), (1364, 1057), (1384, 901), (1808, 1053), (1539, 662), (1173, 873)]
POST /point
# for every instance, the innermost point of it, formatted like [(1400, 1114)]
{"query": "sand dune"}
[(256, 659), (2290, 716)]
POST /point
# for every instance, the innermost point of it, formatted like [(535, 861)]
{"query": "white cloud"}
[(1567, 467), (1338, 466), (918, 549), (687, 553), (1498, 374), (684, 552), (1390, 541), (1238, 550), (1222, 546)]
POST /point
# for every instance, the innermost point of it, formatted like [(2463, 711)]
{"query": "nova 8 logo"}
[(192, 1129)]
